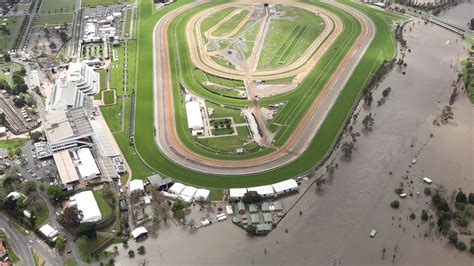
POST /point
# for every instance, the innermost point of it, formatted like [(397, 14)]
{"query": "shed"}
[(264, 191), (277, 206), (254, 219), (160, 183), (176, 188), (267, 218), (48, 231), (188, 192), (265, 207), (241, 207), (286, 186), (136, 185), (253, 208), (202, 194), (237, 193), (263, 228), (229, 210), (139, 232)]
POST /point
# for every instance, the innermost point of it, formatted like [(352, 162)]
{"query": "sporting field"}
[(55, 12), (382, 48), (9, 32), (94, 3)]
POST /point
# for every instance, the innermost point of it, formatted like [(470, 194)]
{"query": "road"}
[(19, 243), (167, 137)]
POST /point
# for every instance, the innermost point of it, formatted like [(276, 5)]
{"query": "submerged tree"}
[(368, 121)]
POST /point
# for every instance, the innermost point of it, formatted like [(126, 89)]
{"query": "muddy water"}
[(459, 15), (336, 221)]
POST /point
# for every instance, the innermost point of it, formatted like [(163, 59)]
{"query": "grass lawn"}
[(222, 111), (42, 214), (289, 37), (214, 18), (232, 23), (89, 248), (54, 19), (109, 96), (94, 3), (12, 143), (70, 262), (12, 67), (104, 207), (468, 78), (9, 35)]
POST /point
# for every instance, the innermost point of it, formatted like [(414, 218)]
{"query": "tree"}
[(471, 198), (368, 121), (471, 249), (395, 204), (36, 136), (60, 243), (386, 92), (141, 250), (427, 191), (461, 245), (461, 197), (453, 237), (71, 217), (347, 148), (251, 197), (412, 216), (131, 254), (28, 187), (55, 192), (368, 99), (424, 215), (19, 101)]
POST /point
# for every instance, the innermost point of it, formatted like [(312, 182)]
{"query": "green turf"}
[(42, 214), (7, 75), (214, 18), (94, 3), (9, 32), (12, 143), (55, 12), (230, 25), (109, 96), (54, 19), (104, 207), (468, 78), (289, 36), (381, 48)]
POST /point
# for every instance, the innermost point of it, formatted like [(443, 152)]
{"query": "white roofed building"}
[(286, 186), (176, 188), (195, 122), (264, 191), (202, 194), (86, 164), (65, 165), (48, 231), (73, 87), (139, 232), (187, 194), (136, 185), (236, 194), (86, 203)]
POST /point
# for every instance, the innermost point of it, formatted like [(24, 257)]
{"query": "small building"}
[(3, 131), (65, 165), (202, 194), (136, 185), (264, 191), (187, 194), (286, 186), (139, 233), (253, 208), (86, 165), (241, 207), (160, 183), (263, 228), (254, 219), (176, 188), (86, 203), (49, 232), (236, 194), (267, 218), (194, 117), (229, 209), (277, 206), (13, 195), (265, 207)]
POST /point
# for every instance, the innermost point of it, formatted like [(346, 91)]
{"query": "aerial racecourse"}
[(246, 93)]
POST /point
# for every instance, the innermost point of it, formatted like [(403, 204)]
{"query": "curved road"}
[(167, 138)]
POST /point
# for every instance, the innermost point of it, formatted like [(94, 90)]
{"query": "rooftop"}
[(65, 165)]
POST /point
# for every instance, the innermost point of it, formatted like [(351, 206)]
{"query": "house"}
[(139, 233), (49, 232), (159, 182), (137, 185), (236, 194)]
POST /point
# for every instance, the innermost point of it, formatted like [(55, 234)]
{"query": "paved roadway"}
[(170, 144), (19, 244)]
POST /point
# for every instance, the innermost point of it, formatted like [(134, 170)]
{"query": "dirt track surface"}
[(165, 123)]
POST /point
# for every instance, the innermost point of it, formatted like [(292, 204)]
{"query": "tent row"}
[(268, 191), (186, 193)]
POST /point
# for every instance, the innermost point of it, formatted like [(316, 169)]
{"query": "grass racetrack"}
[(381, 48)]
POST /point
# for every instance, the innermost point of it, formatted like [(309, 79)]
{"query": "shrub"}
[(471, 198), (399, 190), (424, 215), (461, 197), (141, 250), (131, 253), (471, 249), (427, 191), (460, 206), (453, 237), (461, 245), (395, 204), (412, 216)]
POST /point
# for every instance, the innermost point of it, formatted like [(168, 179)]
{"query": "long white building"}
[(73, 86)]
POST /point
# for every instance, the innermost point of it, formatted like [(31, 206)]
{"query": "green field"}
[(468, 78), (42, 214), (109, 96), (382, 48), (55, 12), (104, 207), (232, 23), (94, 3), (215, 18), (9, 32), (289, 37)]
